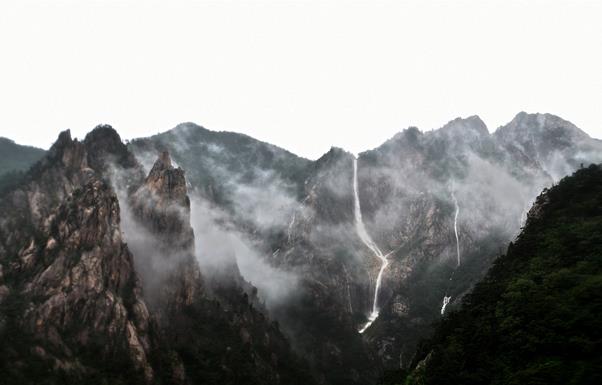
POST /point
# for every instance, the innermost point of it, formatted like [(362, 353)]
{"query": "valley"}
[(212, 257)]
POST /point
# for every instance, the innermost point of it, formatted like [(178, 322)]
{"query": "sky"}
[(304, 75)]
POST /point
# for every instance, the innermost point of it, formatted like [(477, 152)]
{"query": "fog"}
[(219, 245), (217, 241), (408, 189)]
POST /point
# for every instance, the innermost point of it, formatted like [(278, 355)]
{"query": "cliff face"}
[(556, 145), (76, 302), (71, 298), (166, 258), (442, 204)]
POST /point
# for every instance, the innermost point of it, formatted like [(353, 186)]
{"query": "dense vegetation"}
[(537, 316)]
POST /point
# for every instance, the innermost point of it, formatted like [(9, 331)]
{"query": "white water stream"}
[(367, 240), (446, 299), (456, 226), (445, 302)]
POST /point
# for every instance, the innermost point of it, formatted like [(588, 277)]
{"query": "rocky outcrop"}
[(163, 207), (556, 145), (73, 299), (211, 325), (405, 189), (178, 323)]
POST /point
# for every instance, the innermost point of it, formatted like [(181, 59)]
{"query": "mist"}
[(218, 243)]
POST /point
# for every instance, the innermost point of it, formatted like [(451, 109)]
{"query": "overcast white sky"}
[(304, 75)]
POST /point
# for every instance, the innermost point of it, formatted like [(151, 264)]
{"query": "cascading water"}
[(367, 240), (456, 226), (446, 299)]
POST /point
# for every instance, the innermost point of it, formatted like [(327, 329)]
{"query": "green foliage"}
[(537, 316)]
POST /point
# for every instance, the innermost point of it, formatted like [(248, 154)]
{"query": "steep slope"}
[(321, 247), (412, 189), (210, 326), (442, 204), (75, 304), (536, 317), (70, 306)]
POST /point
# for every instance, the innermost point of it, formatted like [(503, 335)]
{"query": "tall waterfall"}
[(360, 228), (456, 226), (446, 299)]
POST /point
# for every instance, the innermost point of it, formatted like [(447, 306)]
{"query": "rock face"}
[(74, 304), (410, 189), (558, 146), (72, 297), (98, 258), (161, 206)]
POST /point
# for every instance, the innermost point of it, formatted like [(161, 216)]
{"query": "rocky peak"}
[(67, 151), (469, 132), (557, 145), (104, 147), (63, 140), (540, 127), (168, 183), (333, 157), (162, 204), (71, 281), (472, 123), (71, 305), (188, 127)]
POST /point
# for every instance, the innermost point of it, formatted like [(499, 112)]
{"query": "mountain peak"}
[(188, 125), (163, 165), (63, 139), (104, 145), (333, 155), (460, 125), (102, 132), (166, 182), (525, 126)]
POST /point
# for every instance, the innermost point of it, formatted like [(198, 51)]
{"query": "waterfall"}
[(445, 302), (446, 299), (360, 228), (456, 226)]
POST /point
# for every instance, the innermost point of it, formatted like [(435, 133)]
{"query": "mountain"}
[(75, 303), (200, 256), (536, 316), (219, 160), (440, 204), (17, 157), (557, 145), (15, 160)]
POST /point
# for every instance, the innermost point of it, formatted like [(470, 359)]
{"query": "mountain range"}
[(199, 256)]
